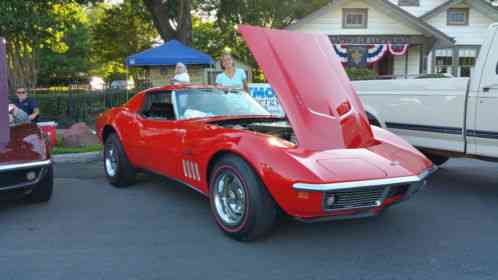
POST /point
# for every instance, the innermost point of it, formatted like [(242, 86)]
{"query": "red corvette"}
[(321, 161)]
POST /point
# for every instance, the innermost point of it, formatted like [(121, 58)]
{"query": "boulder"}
[(79, 135)]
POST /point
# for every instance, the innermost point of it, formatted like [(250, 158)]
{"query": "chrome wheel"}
[(229, 198), (111, 160)]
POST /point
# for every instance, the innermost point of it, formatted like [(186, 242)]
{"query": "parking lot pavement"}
[(160, 230)]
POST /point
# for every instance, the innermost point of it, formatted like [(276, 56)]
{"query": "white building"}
[(426, 36)]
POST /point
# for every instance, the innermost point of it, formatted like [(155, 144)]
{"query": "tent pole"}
[(127, 82)]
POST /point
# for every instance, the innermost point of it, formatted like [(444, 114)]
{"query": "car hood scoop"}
[(312, 87)]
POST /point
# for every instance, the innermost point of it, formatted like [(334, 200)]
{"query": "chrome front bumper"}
[(13, 176), (367, 194), (364, 184)]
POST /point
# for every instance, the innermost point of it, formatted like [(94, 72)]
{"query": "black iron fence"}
[(69, 107)]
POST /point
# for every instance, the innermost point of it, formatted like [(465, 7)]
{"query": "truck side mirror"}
[(496, 68)]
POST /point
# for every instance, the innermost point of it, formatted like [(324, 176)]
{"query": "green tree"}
[(120, 31), (207, 37), (172, 18), (268, 13), (70, 61), (30, 26)]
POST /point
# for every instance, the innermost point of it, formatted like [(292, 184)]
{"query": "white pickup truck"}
[(454, 117)]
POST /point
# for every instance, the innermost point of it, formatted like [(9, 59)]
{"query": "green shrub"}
[(433, 76), (356, 74), (67, 108)]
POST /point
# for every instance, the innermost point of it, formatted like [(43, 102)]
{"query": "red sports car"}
[(321, 161)]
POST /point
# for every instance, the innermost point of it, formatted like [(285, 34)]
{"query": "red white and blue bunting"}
[(341, 52), (398, 49), (375, 51)]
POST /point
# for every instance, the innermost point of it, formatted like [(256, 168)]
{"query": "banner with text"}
[(264, 94)]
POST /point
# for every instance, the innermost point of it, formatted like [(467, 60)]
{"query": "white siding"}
[(425, 6), (330, 22), (472, 34), (413, 62)]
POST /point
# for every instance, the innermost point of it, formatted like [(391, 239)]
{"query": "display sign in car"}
[(322, 160)]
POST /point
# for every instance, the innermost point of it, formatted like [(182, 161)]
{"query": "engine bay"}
[(277, 127)]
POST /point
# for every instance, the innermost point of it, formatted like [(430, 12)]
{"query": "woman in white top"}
[(231, 76), (181, 74)]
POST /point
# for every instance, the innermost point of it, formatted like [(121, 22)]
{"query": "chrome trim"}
[(190, 170), (363, 184), (197, 175), (27, 165), (41, 174), (184, 169)]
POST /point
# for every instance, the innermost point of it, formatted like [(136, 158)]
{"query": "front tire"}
[(241, 205), (118, 168), (42, 191)]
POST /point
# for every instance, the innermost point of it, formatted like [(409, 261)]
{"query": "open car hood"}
[(312, 86)]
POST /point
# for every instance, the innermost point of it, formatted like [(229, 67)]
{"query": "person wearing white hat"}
[(181, 74)]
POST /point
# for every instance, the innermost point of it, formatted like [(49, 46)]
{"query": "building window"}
[(354, 18), (458, 16), (444, 61), (409, 3), (466, 62)]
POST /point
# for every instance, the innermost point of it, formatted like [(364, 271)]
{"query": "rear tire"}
[(241, 205), (42, 191), (118, 168)]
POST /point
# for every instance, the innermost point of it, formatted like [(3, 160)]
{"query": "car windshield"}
[(197, 103)]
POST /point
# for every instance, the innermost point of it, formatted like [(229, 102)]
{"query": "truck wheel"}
[(437, 159), (42, 192), (118, 168), (240, 203)]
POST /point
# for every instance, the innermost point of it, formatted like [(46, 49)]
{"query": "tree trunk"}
[(22, 64), (172, 22)]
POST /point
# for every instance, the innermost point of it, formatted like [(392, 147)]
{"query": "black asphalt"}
[(161, 230)]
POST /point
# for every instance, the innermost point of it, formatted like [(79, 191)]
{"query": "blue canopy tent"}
[(167, 54)]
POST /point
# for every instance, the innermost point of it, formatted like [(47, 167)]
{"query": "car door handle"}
[(490, 87)]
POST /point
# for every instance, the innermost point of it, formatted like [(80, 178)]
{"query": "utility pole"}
[(4, 104)]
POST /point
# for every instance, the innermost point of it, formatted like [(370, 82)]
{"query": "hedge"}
[(67, 108), (356, 74)]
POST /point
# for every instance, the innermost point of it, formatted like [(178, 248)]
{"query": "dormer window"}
[(458, 16), (409, 3), (354, 18)]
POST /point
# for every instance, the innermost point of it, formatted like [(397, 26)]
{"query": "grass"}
[(59, 150)]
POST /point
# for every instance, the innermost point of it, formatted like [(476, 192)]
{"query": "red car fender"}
[(277, 172)]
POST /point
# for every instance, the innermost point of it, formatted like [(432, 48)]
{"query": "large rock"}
[(79, 135)]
